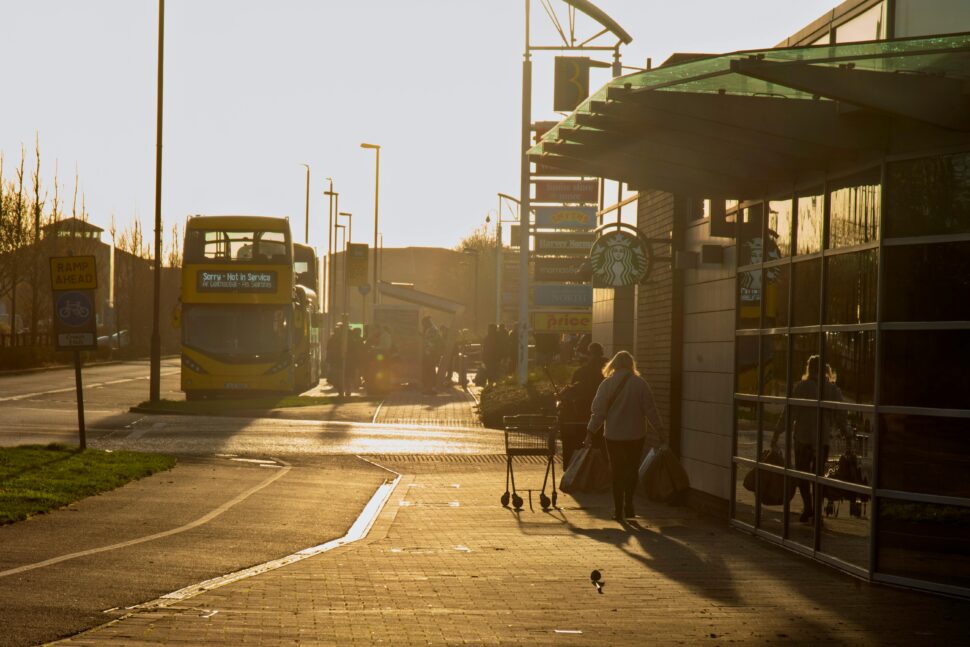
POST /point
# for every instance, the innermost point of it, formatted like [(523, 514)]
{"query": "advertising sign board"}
[(550, 244), (565, 217), (561, 270), (356, 264), (619, 258), (567, 191), (580, 296), (562, 322)]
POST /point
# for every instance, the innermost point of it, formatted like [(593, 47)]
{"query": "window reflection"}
[(801, 514), (774, 360), (922, 282), (803, 347), (928, 196), (750, 248), (746, 420), (926, 368), (746, 364), (854, 210), (773, 432), (779, 233), (749, 299), (806, 292), (811, 211), (743, 498), (852, 359), (926, 454), (926, 541), (851, 287), (776, 296), (869, 25)]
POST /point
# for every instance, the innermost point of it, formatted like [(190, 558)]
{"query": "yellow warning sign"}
[(73, 273)]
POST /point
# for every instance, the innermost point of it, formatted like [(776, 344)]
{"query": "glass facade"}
[(852, 347)]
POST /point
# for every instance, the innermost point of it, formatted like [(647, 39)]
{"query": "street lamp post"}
[(337, 248), (499, 251), (475, 254), (329, 276), (306, 230), (155, 367), (349, 238), (377, 185)]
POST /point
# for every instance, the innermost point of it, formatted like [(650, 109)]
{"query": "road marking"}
[(377, 412), (25, 396), (158, 535), (359, 530)]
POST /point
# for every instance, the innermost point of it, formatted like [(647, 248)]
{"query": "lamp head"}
[(374, 146)]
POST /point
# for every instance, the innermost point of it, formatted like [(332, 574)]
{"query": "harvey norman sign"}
[(236, 281)]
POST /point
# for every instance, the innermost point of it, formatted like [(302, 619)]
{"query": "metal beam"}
[(651, 175), (815, 127), (648, 150), (932, 99)]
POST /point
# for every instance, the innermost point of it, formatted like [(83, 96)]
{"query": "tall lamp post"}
[(328, 277), (377, 186), (349, 238), (499, 251), (155, 368), (306, 230), (337, 251)]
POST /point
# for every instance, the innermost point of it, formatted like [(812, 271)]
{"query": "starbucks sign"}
[(618, 258)]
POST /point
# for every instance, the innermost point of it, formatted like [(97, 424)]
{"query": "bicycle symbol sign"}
[(73, 308)]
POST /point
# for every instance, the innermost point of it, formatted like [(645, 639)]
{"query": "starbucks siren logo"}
[(618, 258)]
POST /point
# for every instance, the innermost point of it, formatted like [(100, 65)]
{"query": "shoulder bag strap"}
[(617, 392)]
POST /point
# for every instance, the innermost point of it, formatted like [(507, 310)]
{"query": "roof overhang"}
[(740, 124)]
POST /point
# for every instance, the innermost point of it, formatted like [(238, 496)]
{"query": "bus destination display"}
[(236, 281)]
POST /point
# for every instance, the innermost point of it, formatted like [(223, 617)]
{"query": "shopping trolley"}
[(530, 435)]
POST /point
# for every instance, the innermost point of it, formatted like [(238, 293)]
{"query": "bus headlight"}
[(193, 366)]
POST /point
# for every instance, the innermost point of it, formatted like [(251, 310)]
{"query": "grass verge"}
[(39, 478), (252, 404)]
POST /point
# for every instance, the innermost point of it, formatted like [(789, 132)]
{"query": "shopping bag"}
[(588, 471), (647, 462), (664, 477), (772, 486)]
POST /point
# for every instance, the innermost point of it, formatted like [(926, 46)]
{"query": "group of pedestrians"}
[(500, 353), (357, 359)]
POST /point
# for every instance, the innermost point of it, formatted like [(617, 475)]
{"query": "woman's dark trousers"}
[(625, 465)]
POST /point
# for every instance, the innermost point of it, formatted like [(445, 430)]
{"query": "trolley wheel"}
[(544, 501), (505, 500), (555, 497), (516, 502)]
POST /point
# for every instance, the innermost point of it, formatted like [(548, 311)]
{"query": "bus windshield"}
[(217, 246), (237, 333)]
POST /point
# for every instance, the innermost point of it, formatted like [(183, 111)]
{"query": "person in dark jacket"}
[(576, 400), (623, 402)]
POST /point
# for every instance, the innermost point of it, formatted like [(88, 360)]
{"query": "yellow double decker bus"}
[(247, 326)]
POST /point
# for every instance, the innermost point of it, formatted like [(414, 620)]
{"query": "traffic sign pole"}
[(82, 436)]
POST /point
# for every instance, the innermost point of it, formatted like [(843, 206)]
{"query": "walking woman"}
[(623, 401)]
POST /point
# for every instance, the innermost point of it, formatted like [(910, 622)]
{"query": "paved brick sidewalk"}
[(445, 564), (450, 407)]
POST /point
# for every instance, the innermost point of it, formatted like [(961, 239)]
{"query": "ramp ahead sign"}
[(74, 279), (73, 273)]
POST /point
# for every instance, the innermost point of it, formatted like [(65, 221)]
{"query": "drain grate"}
[(480, 459)]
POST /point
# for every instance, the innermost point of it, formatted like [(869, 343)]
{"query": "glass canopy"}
[(939, 56)]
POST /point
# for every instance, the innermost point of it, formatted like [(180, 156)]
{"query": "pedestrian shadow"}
[(665, 552)]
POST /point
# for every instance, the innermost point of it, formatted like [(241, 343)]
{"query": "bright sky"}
[(255, 89)]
